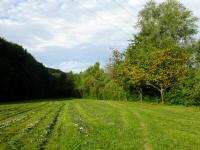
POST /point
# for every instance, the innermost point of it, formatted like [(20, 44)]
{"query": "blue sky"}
[(73, 34)]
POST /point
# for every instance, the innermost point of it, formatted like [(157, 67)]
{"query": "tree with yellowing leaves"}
[(166, 68)]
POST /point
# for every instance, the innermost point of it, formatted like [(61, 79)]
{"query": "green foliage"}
[(165, 24), (187, 91), (156, 56), (22, 77), (114, 91), (91, 82), (197, 53), (166, 68), (94, 83), (161, 26)]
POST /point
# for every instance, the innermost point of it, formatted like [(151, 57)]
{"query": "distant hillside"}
[(22, 77)]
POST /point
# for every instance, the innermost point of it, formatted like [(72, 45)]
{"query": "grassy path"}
[(91, 124), (147, 144), (134, 112)]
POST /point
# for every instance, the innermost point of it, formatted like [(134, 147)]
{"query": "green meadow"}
[(98, 124)]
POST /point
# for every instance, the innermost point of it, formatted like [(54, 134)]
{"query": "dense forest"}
[(160, 64), (22, 77)]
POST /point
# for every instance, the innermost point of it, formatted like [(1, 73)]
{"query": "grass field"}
[(92, 124)]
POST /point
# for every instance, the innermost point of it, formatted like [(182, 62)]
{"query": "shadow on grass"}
[(34, 101)]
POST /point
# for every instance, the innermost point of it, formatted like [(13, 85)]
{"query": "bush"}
[(113, 91), (187, 91)]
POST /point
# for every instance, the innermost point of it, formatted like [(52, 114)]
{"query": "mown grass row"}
[(50, 127), (109, 122), (11, 133), (19, 118), (90, 124), (171, 127), (34, 135), (26, 108)]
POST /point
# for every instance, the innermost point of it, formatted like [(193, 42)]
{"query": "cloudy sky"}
[(72, 34)]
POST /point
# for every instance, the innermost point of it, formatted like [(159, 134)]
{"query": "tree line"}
[(22, 77), (162, 60), (161, 63)]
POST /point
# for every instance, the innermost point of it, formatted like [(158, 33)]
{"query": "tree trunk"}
[(141, 94), (162, 94)]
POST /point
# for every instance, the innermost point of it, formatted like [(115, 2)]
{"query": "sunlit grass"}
[(92, 124)]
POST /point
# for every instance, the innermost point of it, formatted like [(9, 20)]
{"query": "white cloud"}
[(74, 66), (39, 25)]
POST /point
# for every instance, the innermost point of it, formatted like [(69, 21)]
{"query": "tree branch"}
[(153, 86)]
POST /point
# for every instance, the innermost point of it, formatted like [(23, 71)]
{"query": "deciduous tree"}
[(166, 68)]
